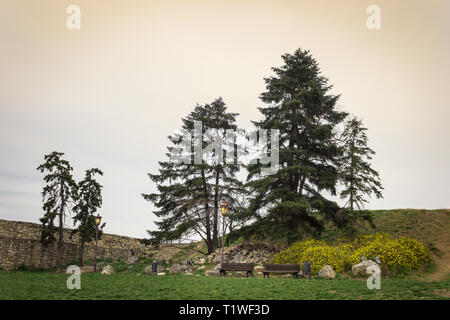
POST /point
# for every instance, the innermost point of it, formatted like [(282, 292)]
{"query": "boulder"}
[(161, 273), (360, 269), (132, 260), (202, 268), (217, 267), (178, 268), (108, 270), (240, 274), (201, 261), (327, 272), (211, 273), (148, 270), (218, 258), (87, 269), (188, 262), (258, 268)]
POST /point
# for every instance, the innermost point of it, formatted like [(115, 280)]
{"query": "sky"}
[(109, 94)]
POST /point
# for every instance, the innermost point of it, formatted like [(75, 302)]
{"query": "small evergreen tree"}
[(58, 195), (189, 194), (89, 200), (356, 174)]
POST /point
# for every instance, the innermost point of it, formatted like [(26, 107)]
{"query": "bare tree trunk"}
[(351, 177), (209, 243), (60, 230), (216, 208), (81, 252)]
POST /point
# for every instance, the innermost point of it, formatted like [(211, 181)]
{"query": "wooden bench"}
[(248, 267), (281, 268)]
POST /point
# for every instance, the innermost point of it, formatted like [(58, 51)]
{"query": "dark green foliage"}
[(356, 173), (58, 195), (290, 202), (189, 194), (89, 200)]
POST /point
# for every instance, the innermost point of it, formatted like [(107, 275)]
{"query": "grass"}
[(429, 226), (49, 285)]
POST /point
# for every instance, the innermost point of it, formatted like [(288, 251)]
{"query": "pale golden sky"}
[(109, 94)]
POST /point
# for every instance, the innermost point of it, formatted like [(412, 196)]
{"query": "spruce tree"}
[(189, 193), (300, 105), (356, 174), (89, 200), (58, 195)]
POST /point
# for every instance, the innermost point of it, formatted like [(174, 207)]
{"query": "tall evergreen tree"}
[(189, 193), (89, 200), (58, 195), (356, 173), (302, 108)]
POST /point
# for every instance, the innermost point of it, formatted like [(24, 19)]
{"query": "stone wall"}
[(20, 246)]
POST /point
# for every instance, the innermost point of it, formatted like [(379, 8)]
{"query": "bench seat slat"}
[(237, 266), (280, 268), (249, 267)]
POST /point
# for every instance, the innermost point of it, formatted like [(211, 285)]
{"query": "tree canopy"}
[(58, 195), (301, 107), (190, 192)]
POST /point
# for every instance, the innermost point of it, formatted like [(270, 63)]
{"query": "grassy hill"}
[(431, 227)]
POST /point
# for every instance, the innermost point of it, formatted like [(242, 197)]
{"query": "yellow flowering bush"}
[(398, 255), (318, 252)]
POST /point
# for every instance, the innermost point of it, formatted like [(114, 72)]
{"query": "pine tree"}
[(58, 195), (89, 200), (302, 108), (190, 193), (356, 173)]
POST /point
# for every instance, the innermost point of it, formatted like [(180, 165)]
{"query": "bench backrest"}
[(282, 267), (237, 266)]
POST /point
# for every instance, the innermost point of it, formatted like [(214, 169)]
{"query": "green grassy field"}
[(429, 226), (49, 285)]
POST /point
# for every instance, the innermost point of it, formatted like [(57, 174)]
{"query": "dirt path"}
[(435, 226), (441, 240)]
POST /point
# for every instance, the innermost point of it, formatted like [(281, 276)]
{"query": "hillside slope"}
[(431, 227)]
